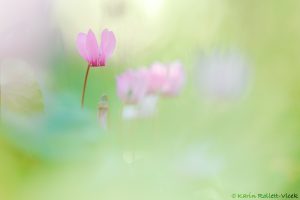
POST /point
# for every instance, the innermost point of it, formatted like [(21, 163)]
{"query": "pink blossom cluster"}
[(165, 80)]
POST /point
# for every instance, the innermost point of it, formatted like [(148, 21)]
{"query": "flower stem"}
[(103, 108), (84, 85)]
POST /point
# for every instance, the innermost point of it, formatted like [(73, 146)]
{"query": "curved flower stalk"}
[(95, 55)]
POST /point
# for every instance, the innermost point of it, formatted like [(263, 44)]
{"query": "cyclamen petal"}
[(157, 76), (92, 46), (81, 46), (174, 81), (108, 43)]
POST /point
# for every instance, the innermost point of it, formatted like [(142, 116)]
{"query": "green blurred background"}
[(191, 148)]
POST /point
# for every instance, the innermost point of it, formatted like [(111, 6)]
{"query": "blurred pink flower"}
[(166, 80), (139, 89), (96, 55), (158, 73), (132, 86), (174, 80)]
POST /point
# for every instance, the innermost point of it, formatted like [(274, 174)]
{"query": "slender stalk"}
[(84, 85), (103, 109)]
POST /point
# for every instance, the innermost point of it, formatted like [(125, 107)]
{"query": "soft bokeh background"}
[(193, 147)]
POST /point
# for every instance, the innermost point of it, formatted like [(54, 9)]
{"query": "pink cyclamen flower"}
[(88, 47), (174, 80), (157, 74), (166, 79), (132, 86), (95, 55)]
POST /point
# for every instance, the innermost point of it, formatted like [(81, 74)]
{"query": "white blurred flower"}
[(223, 76), (145, 108)]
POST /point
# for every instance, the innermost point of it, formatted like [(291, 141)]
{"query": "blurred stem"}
[(84, 85), (103, 109)]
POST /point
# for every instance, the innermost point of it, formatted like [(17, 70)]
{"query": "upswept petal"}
[(81, 46), (92, 46), (108, 43)]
